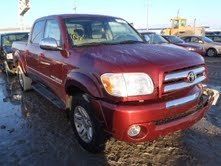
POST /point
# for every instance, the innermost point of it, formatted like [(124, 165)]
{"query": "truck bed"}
[(20, 45)]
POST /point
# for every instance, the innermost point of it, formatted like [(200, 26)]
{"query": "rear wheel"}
[(24, 81), (211, 52), (86, 127)]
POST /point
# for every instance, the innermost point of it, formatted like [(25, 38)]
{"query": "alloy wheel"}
[(83, 124)]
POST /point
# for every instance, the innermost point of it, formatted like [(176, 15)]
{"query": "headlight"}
[(191, 49), (9, 56), (127, 84)]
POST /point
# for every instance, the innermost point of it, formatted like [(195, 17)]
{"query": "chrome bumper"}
[(182, 101), (211, 93)]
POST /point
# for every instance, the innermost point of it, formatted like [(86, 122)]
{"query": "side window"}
[(195, 40), (187, 39), (52, 30), (37, 32), (217, 39)]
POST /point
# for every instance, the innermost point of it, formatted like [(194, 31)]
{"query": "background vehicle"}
[(189, 46), (215, 38), (101, 71), (179, 27), (212, 48), (6, 56), (213, 33), (153, 38)]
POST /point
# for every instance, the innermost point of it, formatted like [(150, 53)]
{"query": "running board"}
[(42, 90)]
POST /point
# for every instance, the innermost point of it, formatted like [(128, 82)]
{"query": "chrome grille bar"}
[(182, 85), (183, 74)]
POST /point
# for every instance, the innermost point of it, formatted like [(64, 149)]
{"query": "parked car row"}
[(198, 44), (212, 48), (110, 81)]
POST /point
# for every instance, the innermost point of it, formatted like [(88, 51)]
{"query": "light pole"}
[(23, 7), (148, 1)]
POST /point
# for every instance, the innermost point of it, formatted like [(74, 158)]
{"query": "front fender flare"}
[(84, 82)]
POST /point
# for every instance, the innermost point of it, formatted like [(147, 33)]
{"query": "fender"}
[(83, 82), (20, 60), (87, 84)]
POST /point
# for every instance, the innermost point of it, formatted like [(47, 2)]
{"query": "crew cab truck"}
[(100, 70)]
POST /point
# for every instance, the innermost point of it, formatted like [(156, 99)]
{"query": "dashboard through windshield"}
[(101, 31)]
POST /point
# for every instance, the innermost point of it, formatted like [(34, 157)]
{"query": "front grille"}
[(183, 79)]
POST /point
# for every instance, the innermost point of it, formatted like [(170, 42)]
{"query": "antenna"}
[(148, 1)]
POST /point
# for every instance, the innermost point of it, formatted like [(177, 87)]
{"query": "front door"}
[(50, 62)]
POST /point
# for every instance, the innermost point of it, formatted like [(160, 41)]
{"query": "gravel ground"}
[(34, 132)]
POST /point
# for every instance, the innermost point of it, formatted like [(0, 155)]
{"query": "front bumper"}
[(154, 119)]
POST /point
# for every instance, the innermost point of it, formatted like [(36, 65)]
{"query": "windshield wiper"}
[(130, 42), (109, 43), (94, 44)]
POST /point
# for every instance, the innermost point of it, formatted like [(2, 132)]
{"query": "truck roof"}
[(76, 16)]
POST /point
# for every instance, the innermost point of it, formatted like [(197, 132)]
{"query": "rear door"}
[(34, 51)]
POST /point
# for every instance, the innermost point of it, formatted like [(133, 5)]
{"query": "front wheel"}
[(86, 127), (211, 52), (24, 81)]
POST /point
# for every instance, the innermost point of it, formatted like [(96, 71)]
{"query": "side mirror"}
[(147, 39), (50, 44), (201, 42)]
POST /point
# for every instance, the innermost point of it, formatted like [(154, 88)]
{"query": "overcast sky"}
[(206, 12)]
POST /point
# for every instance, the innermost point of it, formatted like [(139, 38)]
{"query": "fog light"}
[(134, 130)]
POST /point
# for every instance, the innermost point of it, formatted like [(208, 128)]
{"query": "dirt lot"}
[(34, 132)]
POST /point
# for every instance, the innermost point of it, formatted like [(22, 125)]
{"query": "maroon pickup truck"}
[(99, 69)]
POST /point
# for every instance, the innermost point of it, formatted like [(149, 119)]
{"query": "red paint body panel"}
[(82, 68)]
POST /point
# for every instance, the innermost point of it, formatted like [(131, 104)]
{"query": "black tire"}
[(211, 52), (97, 142), (24, 81)]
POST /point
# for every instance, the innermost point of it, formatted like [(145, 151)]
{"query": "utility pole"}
[(75, 6), (178, 13)]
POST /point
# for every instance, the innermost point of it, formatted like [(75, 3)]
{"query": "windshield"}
[(7, 40), (155, 38), (207, 40), (101, 31), (174, 39)]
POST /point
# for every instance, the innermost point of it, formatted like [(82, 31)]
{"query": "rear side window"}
[(195, 40), (37, 33), (187, 39), (52, 30)]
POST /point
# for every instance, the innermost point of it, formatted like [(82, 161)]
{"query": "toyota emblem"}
[(191, 77)]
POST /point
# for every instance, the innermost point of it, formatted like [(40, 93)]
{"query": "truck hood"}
[(134, 56)]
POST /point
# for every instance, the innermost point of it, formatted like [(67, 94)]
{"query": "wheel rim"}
[(211, 53), (20, 78), (83, 124)]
